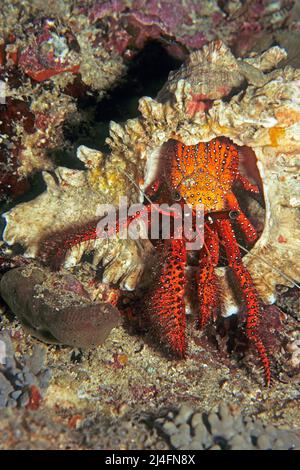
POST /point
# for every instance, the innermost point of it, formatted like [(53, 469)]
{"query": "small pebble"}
[(169, 428)]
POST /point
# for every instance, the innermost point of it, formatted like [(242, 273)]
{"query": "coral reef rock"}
[(130, 433), (53, 53), (34, 430)]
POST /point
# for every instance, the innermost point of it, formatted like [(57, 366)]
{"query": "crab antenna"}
[(136, 185), (285, 276), (141, 191)]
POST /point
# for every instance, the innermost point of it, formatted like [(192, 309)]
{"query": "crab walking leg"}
[(207, 282), (241, 220), (252, 188), (249, 293), (164, 305), (53, 250)]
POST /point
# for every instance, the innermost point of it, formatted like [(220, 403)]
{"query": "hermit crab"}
[(215, 120)]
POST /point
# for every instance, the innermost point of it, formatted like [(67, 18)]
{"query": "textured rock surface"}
[(184, 429), (57, 309), (53, 54)]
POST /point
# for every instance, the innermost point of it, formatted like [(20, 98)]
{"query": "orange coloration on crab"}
[(197, 174), (205, 173)]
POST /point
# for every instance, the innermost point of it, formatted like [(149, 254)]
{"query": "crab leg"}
[(53, 250), (207, 285), (249, 293), (241, 220), (252, 188), (164, 305)]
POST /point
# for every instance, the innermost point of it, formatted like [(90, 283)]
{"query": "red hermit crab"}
[(191, 174), (254, 105)]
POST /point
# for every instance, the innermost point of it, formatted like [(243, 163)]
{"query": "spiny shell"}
[(261, 111)]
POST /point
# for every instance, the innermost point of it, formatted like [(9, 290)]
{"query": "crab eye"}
[(233, 214), (176, 196)]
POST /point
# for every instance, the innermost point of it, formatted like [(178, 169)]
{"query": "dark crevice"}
[(146, 75)]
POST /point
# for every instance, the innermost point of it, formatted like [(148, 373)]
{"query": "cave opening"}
[(146, 74)]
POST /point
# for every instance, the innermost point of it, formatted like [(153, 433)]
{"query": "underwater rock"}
[(227, 429), (33, 430), (30, 126), (39, 65), (184, 429), (57, 309), (182, 26), (44, 45), (123, 27), (44, 429), (288, 299), (28, 129), (22, 380), (293, 349)]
